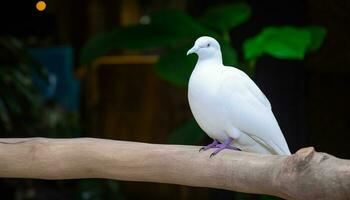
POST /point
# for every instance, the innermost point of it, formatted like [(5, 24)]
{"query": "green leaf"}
[(318, 35), (284, 42), (176, 67), (224, 18), (229, 54), (188, 133), (97, 46), (167, 28), (124, 38), (179, 25)]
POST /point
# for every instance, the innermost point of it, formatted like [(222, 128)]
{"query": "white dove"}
[(229, 106)]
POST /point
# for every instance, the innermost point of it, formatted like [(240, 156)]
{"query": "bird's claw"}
[(212, 154), (214, 144)]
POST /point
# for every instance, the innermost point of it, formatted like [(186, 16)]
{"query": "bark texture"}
[(304, 175)]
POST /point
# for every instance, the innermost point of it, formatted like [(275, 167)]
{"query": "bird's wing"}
[(251, 86), (250, 111)]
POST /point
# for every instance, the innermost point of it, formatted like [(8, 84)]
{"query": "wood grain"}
[(304, 175)]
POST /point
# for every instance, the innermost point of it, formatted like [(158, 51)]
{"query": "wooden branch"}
[(304, 175)]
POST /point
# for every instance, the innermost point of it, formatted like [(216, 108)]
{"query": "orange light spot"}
[(40, 5)]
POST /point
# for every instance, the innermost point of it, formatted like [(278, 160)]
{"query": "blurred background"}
[(118, 69)]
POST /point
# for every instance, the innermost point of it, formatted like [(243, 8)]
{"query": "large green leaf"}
[(229, 54), (189, 134), (167, 28), (97, 46), (136, 37), (284, 42), (179, 25), (224, 18), (176, 67)]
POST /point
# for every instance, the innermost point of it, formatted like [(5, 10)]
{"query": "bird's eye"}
[(208, 45)]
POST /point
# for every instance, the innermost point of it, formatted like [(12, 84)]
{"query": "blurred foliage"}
[(171, 31), (174, 32), (19, 99), (23, 113), (163, 31), (98, 189), (181, 136), (318, 34), (226, 17), (285, 42)]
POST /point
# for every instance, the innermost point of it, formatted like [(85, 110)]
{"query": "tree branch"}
[(304, 175)]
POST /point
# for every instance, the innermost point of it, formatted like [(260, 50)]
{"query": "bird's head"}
[(206, 47)]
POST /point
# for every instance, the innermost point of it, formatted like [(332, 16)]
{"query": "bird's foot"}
[(225, 145), (229, 147), (214, 144)]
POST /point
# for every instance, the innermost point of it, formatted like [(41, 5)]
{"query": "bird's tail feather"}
[(272, 147)]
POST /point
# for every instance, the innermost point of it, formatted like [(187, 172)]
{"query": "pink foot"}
[(225, 145), (209, 146)]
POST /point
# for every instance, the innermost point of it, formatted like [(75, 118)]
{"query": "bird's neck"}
[(209, 62), (213, 60)]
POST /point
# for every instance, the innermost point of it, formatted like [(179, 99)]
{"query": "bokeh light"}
[(40, 5)]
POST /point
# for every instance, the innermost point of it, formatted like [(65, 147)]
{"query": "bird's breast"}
[(205, 102)]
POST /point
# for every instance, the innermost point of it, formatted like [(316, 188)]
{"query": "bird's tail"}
[(274, 148)]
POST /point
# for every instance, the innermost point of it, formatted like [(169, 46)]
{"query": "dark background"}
[(310, 98)]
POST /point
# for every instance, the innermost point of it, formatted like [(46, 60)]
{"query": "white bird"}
[(229, 106)]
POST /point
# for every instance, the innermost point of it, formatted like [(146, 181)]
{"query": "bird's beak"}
[(192, 50)]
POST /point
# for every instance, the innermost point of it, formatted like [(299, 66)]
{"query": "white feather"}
[(227, 103)]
